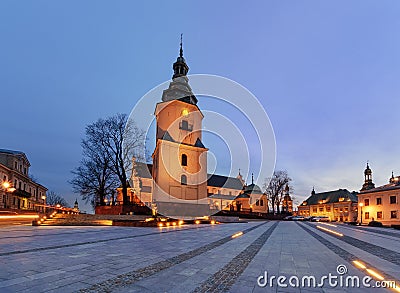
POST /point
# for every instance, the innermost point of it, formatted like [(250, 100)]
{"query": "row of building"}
[(17, 190), (371, 203)]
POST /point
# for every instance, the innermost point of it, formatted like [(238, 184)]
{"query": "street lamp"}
[(44, 203), (361, 205), (7, 188)]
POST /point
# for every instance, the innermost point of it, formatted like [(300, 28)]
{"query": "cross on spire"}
[(181, 50)]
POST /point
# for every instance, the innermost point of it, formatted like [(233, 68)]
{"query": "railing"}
[(22, 193)]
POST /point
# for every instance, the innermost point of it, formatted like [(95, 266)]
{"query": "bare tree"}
[(93, 178), (275, 189), (54, 199), (109, 147)]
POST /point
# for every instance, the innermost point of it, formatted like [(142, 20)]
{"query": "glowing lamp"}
[(185, 112)]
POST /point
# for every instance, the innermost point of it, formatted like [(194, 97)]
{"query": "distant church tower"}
[(179, 158), (76, 207), (368, 184)]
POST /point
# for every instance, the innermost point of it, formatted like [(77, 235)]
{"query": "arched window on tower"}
[(184, 160), (183, 180)]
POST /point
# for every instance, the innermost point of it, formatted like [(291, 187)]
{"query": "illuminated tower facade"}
[(180, 158)]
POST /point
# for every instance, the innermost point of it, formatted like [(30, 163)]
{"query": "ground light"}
[(376, 275), (238, 234), (330, 231)]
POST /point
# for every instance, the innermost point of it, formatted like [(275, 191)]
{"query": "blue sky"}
[(325, 71)]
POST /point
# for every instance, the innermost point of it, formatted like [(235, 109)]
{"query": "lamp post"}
[(44, 204), (6, 186), (361, 212)]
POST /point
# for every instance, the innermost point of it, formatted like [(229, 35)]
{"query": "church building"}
[(177, 183)]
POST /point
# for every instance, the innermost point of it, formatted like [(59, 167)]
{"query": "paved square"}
[(198, 258)]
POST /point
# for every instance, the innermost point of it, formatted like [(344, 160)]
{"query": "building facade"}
[(380, 203), (18, 190), (339, 205)]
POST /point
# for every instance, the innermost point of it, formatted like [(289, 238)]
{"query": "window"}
[(379, 200), (184, 160), (183, 180), (184, 125), (346, 210), (230, 192), (314, 210), (16, 165), (366, 215), (379, 215), (366, 202), (393, 199), (393, 214), (261, 202), (328, 209), (321, 209), (146, 189)]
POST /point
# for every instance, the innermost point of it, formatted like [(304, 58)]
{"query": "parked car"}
[(309, 218), (298, 218), (320, 219), (288, 218)]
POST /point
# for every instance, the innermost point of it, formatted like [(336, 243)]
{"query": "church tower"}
[(368, 184), (180, 158)]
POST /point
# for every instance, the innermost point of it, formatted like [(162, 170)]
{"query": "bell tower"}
[(368, 184), (180, 158)]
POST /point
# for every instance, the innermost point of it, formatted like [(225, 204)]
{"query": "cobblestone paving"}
[(134, 276), (338, 250), (381, 252), (83, 243), (223, 280)]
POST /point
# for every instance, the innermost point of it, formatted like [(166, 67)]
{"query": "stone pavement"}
[(197, 258)]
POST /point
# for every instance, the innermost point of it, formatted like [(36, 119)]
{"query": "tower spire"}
[(368, 184), (252, 178), (181, 49), (180, 67)]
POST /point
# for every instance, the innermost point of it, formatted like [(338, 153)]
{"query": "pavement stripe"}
[(364, 229), (381, 252), (338, 250), (94, 241), (223, 280), (136, 275)]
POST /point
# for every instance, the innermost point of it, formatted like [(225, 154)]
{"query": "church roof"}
[(243, 195), (222, 196), (252, 188), (199, 144), (167, 137), (332, 197), (143, 170), (11, 152), (224, 182), (391, 186)]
